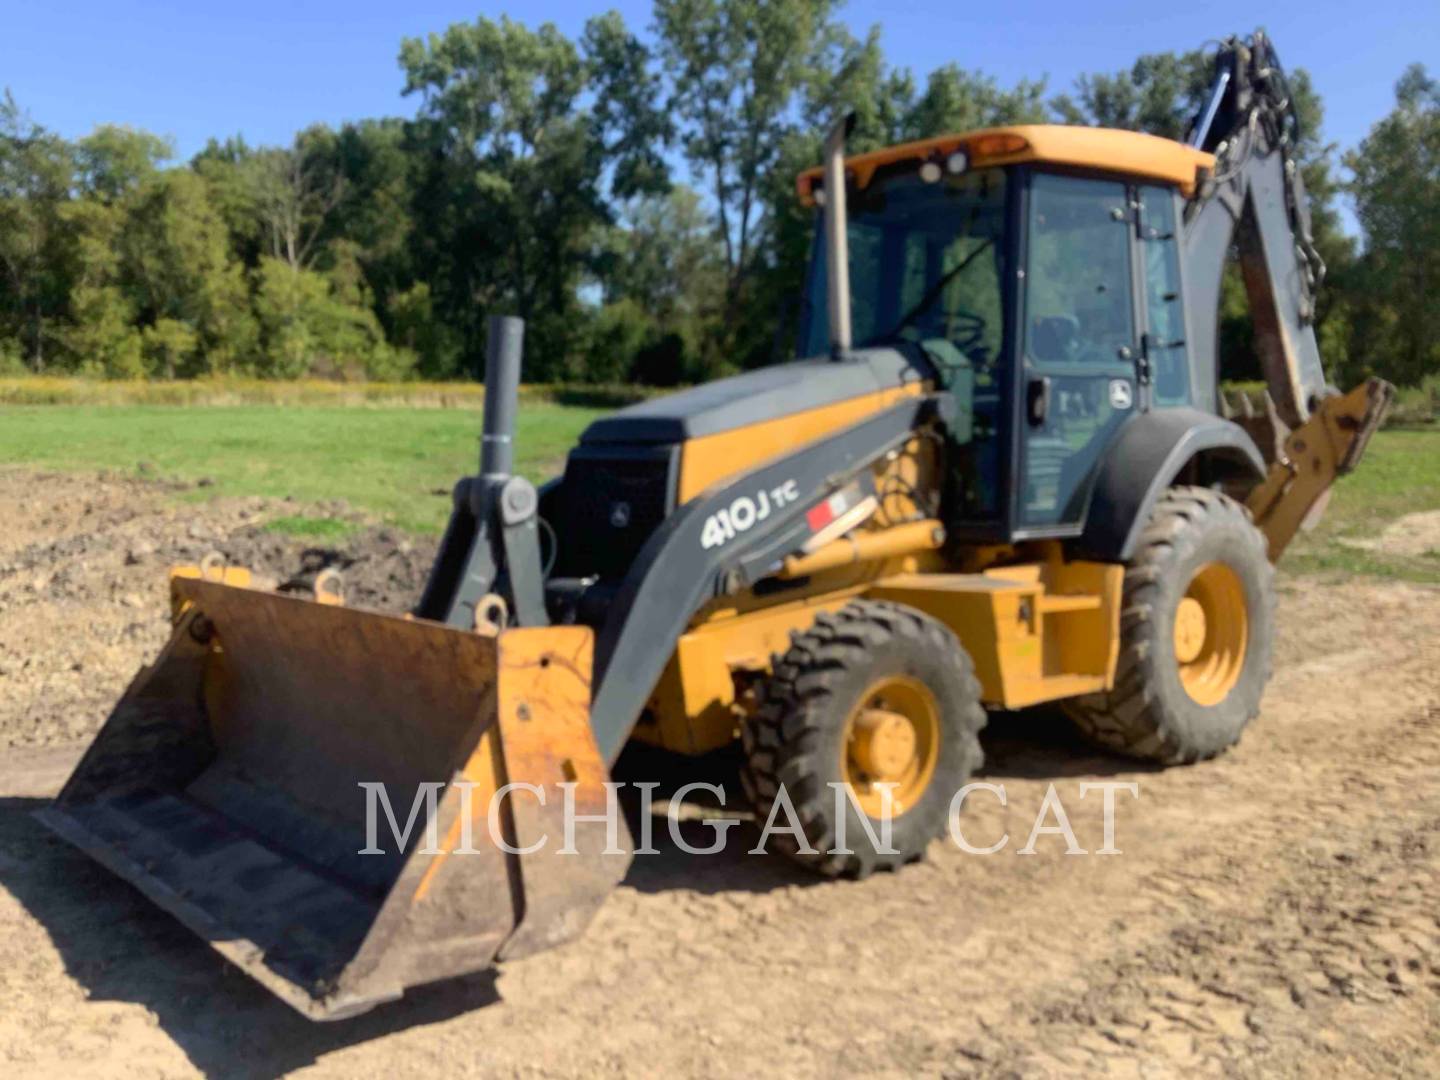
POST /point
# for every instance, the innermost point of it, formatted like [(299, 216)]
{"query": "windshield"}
[(924, 266)]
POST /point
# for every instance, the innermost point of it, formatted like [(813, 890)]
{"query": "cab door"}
[(1079, 343)]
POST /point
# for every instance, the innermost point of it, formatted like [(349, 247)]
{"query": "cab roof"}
[(1127, 152)]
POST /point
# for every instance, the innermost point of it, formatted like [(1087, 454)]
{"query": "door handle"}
[(1037, 400)]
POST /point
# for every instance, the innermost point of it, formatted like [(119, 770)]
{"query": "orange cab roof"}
[(1129, 152)]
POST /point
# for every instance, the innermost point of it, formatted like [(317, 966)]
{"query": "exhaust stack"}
[(837, 244)]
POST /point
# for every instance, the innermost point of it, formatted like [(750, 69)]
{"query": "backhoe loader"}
[(1004, 474)]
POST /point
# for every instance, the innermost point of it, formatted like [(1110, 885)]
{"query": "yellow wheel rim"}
[(892, 736), (1212, 627)]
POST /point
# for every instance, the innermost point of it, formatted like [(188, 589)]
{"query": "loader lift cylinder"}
[(488, 571), (504, 347), (1201, 129)]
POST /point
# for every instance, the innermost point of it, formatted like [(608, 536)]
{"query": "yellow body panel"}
[(695, 707), (711, 458), (1129, 152), (1037, 631)]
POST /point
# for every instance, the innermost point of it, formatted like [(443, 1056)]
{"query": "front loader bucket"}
[(227, 787)]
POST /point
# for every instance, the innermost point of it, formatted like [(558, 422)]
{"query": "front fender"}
[(1148, 454)]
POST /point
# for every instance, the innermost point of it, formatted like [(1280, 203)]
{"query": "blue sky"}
[(266, 68)]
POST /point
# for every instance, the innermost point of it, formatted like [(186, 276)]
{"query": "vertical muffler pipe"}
[(837, 245)]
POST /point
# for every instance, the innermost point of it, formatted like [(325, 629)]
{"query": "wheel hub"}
[(1212, 628), (1189, 630), (884, 744), (892, 738)]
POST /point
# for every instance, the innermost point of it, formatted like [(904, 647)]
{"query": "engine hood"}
[(757, 396)]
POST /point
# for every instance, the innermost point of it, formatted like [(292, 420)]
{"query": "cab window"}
[(1164, 310)]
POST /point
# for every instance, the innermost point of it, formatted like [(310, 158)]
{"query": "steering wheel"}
[(964, 328), (961, 328)]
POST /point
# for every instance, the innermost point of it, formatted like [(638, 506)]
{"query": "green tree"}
[(287, 302), (626, 116), (169, 346), (1159, 94), (102, 336), (322, 324), (417, 326), (37, 169), (525, 123), (377, 164), (293, 191), (663, 280), (738, 70), (667, 257), (225, 167), (1396, 186), (888, 108), (960, 100), (99, 338), (114, 161), (177, 261), (619, 332)]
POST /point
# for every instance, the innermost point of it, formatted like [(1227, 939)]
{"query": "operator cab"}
[(1043, 286)]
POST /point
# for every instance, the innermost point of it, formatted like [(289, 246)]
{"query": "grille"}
[(612, 501)]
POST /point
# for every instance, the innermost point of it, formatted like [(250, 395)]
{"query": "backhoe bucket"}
[(257, 782)]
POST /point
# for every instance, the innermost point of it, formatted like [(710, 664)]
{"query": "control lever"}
[(1037, 400)]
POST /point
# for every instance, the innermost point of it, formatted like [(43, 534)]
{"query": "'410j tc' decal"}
[(745, 513)]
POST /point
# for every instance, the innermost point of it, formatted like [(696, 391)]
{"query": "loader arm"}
[(677, 571), (1255, 199)]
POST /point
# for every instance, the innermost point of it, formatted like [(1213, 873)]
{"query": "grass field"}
[(236, 390), (388, 461), (1399, 475), (394, 461)]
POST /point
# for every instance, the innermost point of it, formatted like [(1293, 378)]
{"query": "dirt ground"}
[(1411, 535), (1274, 912)]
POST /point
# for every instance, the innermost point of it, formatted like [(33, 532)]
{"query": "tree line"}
[(631, 196)]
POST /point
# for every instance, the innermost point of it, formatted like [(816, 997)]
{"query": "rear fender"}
[(1149, 454)]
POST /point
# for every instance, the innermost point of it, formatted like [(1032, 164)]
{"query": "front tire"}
[(875, 693), (1197, 629)]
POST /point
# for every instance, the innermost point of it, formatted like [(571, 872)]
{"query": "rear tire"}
[(838, 704), (1196, 634)]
